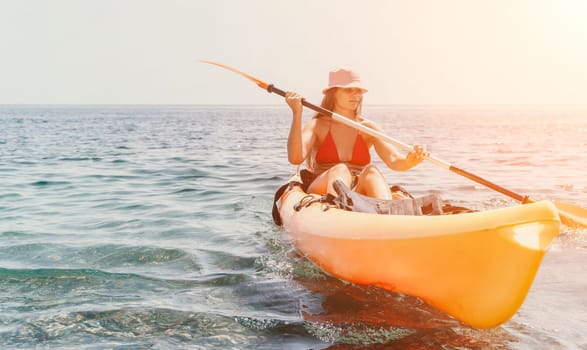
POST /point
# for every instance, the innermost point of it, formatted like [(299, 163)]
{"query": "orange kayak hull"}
[(477, 267)]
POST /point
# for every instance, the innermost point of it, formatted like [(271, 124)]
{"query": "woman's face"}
[(348, 98)]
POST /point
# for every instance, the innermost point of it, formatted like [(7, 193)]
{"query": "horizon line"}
[(495, 105)]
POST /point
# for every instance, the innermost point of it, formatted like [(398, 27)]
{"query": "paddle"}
[(570, 214)]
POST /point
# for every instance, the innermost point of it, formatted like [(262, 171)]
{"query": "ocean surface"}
[(149, 227)]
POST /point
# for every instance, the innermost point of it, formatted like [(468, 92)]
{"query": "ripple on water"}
[(149, 260), (47, 183), (131, 327)]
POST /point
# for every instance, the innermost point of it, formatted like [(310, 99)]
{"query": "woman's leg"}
[(323, 183), (372, 183)]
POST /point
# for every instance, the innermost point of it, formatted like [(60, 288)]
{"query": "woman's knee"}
[(372, 183), (340, 170), (371, 171), (323, 183)]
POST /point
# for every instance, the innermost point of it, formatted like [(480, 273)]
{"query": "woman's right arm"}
[(300, 139)]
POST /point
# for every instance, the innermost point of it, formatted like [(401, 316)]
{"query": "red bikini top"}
[(328, 153)]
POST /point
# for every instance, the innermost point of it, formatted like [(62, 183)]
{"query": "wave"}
[(47, 183)]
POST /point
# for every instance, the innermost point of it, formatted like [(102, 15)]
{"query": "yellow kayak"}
[(477, 267)]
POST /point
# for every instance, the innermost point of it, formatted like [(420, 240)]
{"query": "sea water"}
[(149, 227)]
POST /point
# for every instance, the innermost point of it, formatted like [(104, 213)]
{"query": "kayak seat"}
[(349, 200)]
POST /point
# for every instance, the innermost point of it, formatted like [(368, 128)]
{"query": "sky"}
[(473, 52)]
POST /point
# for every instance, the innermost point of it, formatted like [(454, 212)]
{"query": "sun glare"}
[(566, 22)]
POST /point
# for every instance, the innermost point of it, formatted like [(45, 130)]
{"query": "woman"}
[(333, 150)]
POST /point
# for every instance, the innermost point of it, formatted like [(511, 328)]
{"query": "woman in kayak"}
[(333, 150)]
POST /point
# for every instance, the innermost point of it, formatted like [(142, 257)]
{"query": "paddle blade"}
[(263, 85), (572, 215)]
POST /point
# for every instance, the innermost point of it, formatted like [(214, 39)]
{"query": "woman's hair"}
[(328, 103)]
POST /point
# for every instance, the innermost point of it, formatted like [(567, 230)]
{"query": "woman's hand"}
[(417, 155), (294, 101)]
